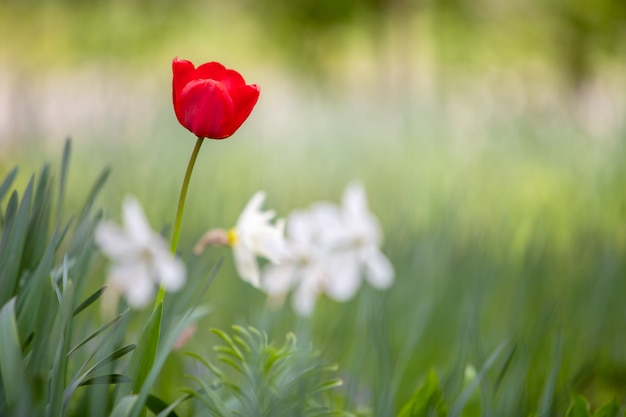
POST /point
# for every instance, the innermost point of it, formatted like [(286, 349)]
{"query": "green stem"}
[(181, 207)]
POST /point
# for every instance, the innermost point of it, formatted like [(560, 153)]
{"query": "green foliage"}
[(55, 359), (43, 265), (427, 401), (579, 407), (262, 379)]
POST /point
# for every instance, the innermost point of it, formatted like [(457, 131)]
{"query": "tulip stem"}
[(181, 207)]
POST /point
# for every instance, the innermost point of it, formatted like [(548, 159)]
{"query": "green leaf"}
[(158, 406), (108, 379), (100, 181), (12, 243), (90, 300), (210, 398), (427, 400), (112, 357), (11, 362), (465, 395), (59, 344), (578, 408), (63, 180), (143, 358), (607, 410), (102, 328), (547, 394), (124, 406), (169, 411), (165, 348), (29, 299), (6, 184), (39, 222)]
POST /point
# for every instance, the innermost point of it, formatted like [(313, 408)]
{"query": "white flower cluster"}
[(330, 249)]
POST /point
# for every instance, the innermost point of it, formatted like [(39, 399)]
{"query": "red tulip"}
[(211, 101)]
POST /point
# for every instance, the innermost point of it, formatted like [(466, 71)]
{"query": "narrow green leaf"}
[(193, 315), (90, 300), (210, 398), (102, 328), (204, 362), (169, 411), (326, 385), (12, 248), (29, 299), (124, 406), (6, 183), (7, 220), (608, 410), (226, 338), (458, 406), (108, 379), (63, 180), (427, 400), (97, 187), (112, 357), (158, 406), (59, 340), (578, 408), (547, 394), (11, 365), (39, 222), (143, 358)]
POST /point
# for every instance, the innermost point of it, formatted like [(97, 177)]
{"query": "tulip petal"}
[(206, 109), (244, 100), (183, 72), (210, 71)]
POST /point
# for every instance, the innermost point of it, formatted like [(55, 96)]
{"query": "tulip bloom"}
[(211, 101)]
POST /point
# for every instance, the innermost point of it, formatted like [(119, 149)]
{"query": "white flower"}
[(354, 233), (141, 259), (331, 248), (254, 236), (303, 269)]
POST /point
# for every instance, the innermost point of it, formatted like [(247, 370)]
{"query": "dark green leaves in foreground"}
[(44, 266)]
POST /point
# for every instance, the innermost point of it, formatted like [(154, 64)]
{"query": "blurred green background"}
[(490, 136)]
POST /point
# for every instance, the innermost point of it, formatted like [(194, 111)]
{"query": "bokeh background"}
[(490, 136)]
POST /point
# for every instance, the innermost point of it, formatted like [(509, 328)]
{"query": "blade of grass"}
[(547, 394), (90, 300), (142, 360), (170, 338), (63, 179), (11, 361), (458, 406), (6, 184), (112, 357), (12, 248)]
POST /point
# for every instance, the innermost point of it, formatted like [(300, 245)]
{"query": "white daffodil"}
[(330, 249), (253, 235), (141, 259), (354, 236), (303, 269)]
